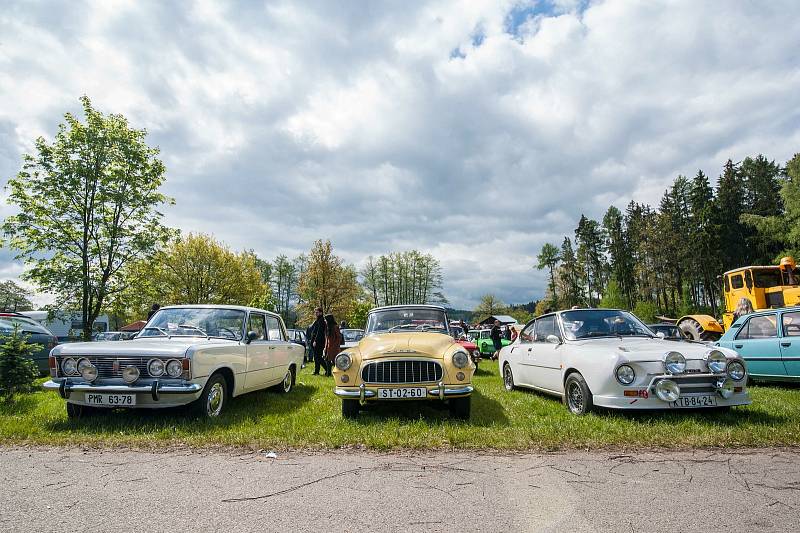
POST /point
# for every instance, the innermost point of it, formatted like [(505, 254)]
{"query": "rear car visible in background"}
[(37, 334)]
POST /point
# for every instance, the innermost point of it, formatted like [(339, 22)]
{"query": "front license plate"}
[(110, 400), (695, 401), (403, 394)]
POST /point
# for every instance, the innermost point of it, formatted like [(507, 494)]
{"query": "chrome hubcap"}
[(287, 382), (575, 397), (509, 379), (215, 399)]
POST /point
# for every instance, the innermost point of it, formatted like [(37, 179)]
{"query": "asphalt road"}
[(75, 490)]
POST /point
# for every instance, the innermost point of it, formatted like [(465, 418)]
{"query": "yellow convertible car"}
[(407, 353)]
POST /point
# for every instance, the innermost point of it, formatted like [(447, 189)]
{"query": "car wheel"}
[(508, 378), (460, 407), (350, 408), (287, 384), (75, 411), (214, 397), (577, 395)]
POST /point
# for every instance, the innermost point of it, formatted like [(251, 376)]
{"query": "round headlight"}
[(174, 368), (83, 363), (725, 388), (89, 373), (625, 374), (460, 359), (69, 366), (667, 390), (155, 367), (343, 361), (130, 374), (716, 361), (675, 363), (736, 371)]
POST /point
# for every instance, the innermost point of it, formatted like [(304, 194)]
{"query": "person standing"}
[(153, 310), (309, 354), (317, 341), (495, 335), (333, 342)]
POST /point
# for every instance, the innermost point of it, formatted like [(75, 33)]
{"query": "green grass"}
[(310, 417)]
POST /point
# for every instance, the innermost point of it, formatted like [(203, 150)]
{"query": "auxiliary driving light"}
[(716, 361), (736, 371), (675, 363), (725, 388), (460, 376), (667, 390), (89, 373), (130, 374)]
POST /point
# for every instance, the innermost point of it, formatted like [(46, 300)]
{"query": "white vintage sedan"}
[(187, 354), (608, 358)]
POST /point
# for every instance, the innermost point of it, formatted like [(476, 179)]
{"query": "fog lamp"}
[(716, 361), (89, 373), (736, 371), (130, 374), (460, 376), (345, 378), (725, 388), (675, 363), (667, 390)]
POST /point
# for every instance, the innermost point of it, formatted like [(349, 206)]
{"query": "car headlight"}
[(625, 374), (675, 363), (460, 359), (155, 367), (667, 390), (736, 371), (716, 361), (130, 374), (89, 373), (343, 361), (174, 368), (69, 366), (725, 388)]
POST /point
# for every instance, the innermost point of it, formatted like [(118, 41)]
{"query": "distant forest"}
[(668, 259)]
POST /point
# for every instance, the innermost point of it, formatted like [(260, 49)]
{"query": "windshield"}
[(764, 279), (586, 323), (196, 322), (407, 319), (26, 325), (352, 335)]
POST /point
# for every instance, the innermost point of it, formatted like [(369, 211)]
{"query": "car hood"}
[(647, 349), (174, 347), (404, 345)]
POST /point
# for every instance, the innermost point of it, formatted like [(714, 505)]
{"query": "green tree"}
[(87, 205), (730, 206), (620, 256), (327, 282), (568, 278), (591, 249), (488, 306), (613, 297), (14, 298), (548, 258), (18, 372), (399, 278)]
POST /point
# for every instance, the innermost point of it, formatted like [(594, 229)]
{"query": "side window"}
[(258, 325), (759, 327), (274, 329), (737, 282), (791, 324), (527, 333), (545, 326)]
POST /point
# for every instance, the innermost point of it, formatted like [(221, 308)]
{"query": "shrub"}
[(18, 372), (646, 311)]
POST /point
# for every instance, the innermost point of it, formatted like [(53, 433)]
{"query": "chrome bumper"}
[(440, 391), (66, 387)]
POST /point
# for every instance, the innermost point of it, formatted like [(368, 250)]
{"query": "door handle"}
[(271, 347), (786, 344), (738, 345)]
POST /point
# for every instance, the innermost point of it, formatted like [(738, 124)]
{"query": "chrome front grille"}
[(109, 366), (403, 371)]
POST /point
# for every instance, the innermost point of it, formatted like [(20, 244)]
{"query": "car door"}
[(546, 355), (758, 343), (520, 357), (790, 342), (259, 371), (279, 348)]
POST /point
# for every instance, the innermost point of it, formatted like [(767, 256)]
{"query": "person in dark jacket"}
[(333, 342), (309, 355), (317, 341), (496, 339), (153, 310)]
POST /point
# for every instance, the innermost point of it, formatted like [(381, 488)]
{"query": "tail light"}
[(187, 368), (53, 366)]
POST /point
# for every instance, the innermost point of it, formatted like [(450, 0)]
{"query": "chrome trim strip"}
[(438, 392), (65, 387)]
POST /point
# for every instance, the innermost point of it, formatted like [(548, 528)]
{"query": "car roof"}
[(215, 306), (408, 306), (792, 309)]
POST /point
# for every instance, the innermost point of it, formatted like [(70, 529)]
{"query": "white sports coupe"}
[(609, 358)]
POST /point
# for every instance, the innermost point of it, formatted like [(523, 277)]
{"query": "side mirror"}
[(552, 339), (251, 336), (661, 335)]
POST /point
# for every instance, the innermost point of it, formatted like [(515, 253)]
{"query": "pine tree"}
[(18, 372), (730, 206), (548, 258)]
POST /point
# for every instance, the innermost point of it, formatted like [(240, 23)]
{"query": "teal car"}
[(770, 343), (482, 338)]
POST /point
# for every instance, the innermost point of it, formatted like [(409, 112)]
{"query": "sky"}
[(476, 130)]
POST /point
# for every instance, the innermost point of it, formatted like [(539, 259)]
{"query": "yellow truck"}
[(766, 287)]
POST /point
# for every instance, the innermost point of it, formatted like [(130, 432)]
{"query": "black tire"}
[(350, 409), (213, 399), (286, 386), (75, 411), (508, 378), (577, 396), (693, 331), (460, 407)]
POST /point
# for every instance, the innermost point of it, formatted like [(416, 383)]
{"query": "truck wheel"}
[(350, 408), (693, 331), (460, 407), (213, 399), (577, 396)]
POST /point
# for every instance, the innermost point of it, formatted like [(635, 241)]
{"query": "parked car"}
[(111, 336), (770, 343), (608, 358), (406, 354), (461, 338), (187, 354), (350, 337), (482, 338), (37, 334), (670, 331), (297, 336)]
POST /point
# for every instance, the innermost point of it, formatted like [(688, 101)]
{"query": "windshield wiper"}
[(189, 326), (157, 329)]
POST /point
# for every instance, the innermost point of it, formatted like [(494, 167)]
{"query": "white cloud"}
[(287, 122)]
